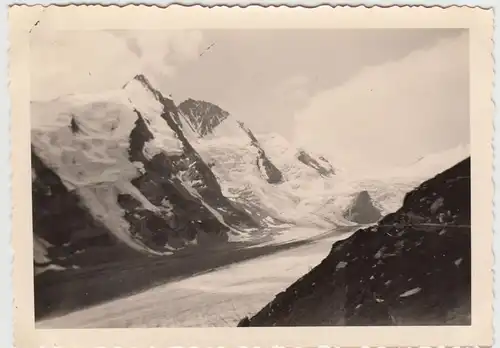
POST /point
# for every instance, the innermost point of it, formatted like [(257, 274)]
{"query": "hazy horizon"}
[(367, 98)]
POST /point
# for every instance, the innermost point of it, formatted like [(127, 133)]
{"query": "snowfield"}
[(219, 298)]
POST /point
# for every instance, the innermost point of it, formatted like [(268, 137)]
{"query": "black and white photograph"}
[(251, 177)]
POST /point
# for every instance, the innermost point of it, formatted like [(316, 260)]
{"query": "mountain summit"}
[(202, 116)]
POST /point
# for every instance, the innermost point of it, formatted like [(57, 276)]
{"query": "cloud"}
[(186, 45), (67, 62), (391, 113), (293, 89)]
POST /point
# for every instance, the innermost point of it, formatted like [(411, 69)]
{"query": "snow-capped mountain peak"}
[(125, 161), (155, 178)]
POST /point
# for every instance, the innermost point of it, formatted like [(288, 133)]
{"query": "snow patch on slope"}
[(227, 128), (299, 176), (97, 152), (164, 137)]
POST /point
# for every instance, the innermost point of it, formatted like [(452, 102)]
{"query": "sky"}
[(363, 97)]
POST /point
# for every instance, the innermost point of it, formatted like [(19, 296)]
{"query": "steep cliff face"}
[(412, 268), (202, 116), (173, 221), (190, 167)]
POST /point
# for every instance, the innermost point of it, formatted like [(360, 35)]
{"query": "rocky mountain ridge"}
[(202, 116), (241, 159), (122, 171)]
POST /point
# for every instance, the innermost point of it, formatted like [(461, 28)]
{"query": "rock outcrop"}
[(321, 165), (412, 268), (191, 204), (203, 116), (362, 209), (266, 167)]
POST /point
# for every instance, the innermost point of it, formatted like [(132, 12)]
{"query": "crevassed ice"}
[(234, 161), (92, 157), (98, 151)]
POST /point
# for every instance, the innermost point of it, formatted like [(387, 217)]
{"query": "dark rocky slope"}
[(203, 116), (183, 216), (412, 268), (197, 169), (362, 210)]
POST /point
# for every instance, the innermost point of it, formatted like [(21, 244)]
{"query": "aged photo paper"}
[(223, 177)]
